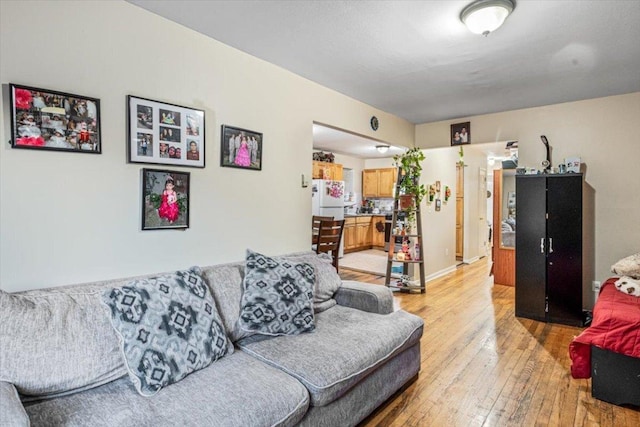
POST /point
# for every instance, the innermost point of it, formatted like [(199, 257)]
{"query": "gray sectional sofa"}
[(61, 361)]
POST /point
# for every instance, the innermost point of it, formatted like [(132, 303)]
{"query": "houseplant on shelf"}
[(410, 170)]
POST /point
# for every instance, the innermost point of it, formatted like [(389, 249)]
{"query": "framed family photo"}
[(240, 148), (44, 119), (165, 199), (461, 133), (164, 134)]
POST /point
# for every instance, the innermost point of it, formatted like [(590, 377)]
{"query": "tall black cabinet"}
[(549, 248)]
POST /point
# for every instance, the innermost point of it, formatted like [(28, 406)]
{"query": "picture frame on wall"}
[(240, 148), (165, 199), (164, 134), (461, 133), (45, 119)]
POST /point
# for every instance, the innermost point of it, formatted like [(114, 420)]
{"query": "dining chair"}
[(315, 227), (329, 236)]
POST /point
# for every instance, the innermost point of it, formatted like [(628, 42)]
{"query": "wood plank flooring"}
[(482, 366)]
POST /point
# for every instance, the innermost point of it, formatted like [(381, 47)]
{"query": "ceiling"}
[(416, 60), (338, 141)]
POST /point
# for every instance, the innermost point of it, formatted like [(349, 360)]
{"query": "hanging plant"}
[(410, 170)]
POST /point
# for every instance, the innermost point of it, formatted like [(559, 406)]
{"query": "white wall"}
[(69, 217), (439, 227), (603, 132)]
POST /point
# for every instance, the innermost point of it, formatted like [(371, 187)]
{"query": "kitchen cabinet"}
[(349, 234), (378, 182), (359, 233), (326, 170), (377, 232), (363, 231), (549, 248)]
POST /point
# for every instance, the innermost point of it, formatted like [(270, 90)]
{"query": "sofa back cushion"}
[(225, 281), (57, 342)]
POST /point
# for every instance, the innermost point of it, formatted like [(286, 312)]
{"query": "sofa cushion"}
[(346, 346), (237, 390), (169, 327), (225, 282), (277, 297), (327, 279), (57, 342)]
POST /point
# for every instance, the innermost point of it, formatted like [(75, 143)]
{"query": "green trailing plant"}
[(410, 164)]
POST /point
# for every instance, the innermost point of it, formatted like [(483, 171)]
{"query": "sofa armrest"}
[(365, 297), (12, 413)]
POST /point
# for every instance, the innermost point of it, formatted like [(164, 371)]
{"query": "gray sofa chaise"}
[(61, 361)]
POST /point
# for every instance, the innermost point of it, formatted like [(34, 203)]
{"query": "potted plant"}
[(410, 171)]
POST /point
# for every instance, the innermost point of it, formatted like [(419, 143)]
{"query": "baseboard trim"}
[(440, 273)]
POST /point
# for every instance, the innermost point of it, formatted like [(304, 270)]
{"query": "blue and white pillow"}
[(277, 297), (169, 327)]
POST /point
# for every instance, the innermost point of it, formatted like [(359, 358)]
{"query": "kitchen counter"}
[(362, 214)]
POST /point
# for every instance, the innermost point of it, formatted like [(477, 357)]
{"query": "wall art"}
[(49, 120), (461, 133), (240, 148), (165, 199), (164, 134)]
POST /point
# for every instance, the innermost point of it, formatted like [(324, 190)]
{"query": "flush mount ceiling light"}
[(485, 16), (382, 148)]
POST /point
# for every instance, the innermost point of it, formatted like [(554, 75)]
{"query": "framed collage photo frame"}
[(461, 133), (165, 199), (45, 119), (164, 134), (240, 148)]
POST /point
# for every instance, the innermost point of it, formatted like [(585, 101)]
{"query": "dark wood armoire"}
[(549, 248)]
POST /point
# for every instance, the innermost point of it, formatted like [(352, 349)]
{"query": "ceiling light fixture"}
[(485, 16), (382, 148)]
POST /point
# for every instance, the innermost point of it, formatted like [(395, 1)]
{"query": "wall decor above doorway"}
[(461, 133)]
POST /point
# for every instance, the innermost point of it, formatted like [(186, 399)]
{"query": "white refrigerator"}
[(327, 199)]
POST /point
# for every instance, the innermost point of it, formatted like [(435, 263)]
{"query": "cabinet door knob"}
[(542, 245), (550, 245)]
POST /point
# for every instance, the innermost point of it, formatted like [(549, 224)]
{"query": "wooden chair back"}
[(315, 228), (329, 238)]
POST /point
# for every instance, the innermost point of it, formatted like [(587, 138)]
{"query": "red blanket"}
[(615, 326)]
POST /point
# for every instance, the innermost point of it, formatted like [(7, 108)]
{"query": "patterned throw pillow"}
[(277, 297), (168, 326)]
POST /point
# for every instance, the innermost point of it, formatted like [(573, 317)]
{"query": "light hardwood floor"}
[(482, 366)]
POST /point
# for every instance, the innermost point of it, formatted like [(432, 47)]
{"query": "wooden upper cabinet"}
[(378, 182), (386, 182), (370, 183), (325, 170)]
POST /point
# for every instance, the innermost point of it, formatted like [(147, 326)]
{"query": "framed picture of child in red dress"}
[(240, 148), (164, 134), (44, 119), (165, 199)]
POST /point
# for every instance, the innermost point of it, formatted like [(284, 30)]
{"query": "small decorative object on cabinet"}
[(410, 251), (549, 248)]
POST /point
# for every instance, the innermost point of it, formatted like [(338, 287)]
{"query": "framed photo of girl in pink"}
[(240, 148), (165, 199)]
